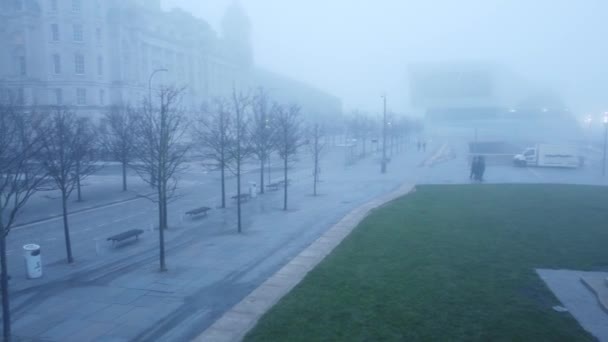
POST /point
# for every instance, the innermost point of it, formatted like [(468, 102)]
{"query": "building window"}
[(20, 96), (76, 5), (79, 64), (22, 65), (81, 96), (102, 97), (53, 5), (99, 66), (55, 32), (58, 96), (78, 33), (57, 64)]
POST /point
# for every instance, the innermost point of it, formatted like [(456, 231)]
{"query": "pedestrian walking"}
[(474, 166), (482, 167)]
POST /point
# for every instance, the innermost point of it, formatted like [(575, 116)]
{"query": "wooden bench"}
[(242, 197), (125, 235), (198, 211), (273, 186), (282, 183)]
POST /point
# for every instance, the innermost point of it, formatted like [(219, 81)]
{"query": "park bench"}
[(125, 235), (273, 186), (242, 197), (282, 183), (198, 211)]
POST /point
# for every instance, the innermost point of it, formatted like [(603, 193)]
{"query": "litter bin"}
[(253, 189), (33, 265)]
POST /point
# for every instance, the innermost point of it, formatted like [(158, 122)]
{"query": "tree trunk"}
[(286, 185), (66, 227), (223, 171), (269, 166), (6, 309), (261, 175), (124, 175), (78, 181), (161, 228), (238, 193)]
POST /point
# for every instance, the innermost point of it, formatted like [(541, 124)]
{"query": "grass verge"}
[(450, 263)]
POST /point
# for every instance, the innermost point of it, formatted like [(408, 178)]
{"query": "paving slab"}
[(578, 299), (599, 285), (112, 313)]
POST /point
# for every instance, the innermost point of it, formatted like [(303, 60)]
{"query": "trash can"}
[(253, 189), (33, 265)]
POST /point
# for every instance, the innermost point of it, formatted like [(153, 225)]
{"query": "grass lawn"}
[(451, 263)]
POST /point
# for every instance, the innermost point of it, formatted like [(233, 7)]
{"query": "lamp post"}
[(150, 83), (153, 180), (383, 170), (605, 142)]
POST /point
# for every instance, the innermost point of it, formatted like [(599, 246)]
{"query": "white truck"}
[(545, 155)]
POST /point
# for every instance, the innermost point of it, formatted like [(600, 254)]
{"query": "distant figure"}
[(474, 167), (424, 146), (482, 168)]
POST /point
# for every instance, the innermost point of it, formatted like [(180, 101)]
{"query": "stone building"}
[(90, 54)]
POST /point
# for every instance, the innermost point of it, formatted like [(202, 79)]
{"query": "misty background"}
[(359, 49)]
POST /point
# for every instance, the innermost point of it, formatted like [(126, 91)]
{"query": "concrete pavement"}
[(120, 296)]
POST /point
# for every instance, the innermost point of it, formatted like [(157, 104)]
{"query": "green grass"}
[(450, 263)]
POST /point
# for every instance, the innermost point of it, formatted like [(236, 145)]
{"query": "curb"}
[(241, 318)]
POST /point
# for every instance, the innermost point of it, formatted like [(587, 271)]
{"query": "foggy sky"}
[(358, 49)]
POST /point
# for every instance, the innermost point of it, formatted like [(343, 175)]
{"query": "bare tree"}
[(65, 157), (288, 138), (262, 131), (211, 133), (84, 153), (20, 178), (239, 142), (160, 150), (316, 145), (117, 135)]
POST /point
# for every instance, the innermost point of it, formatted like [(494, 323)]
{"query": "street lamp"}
[(153, 180), (605, 141), (383, 170), (150, 83)]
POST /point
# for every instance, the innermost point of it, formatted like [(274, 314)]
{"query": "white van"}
[(545, 155)]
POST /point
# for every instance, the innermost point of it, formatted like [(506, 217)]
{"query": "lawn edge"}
[(234, 324)]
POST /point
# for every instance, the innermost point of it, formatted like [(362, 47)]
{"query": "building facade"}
[(90, 54)]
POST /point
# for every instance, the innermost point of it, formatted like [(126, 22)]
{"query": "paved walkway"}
[(581, 302), (235, 323), (211, 268)]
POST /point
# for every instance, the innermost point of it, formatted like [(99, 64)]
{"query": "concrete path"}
[(235, 323), (580, 301)]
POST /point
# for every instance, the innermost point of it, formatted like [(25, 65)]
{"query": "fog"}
[(360, 49)]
